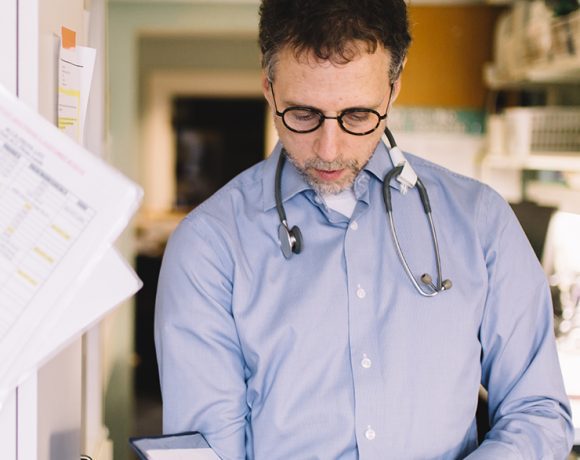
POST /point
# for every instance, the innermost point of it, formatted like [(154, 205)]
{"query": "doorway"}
[(216, 138)]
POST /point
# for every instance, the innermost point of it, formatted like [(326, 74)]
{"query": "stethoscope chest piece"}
[(290, 240)]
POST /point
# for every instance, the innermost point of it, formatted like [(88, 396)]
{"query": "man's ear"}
[(397, 83), (266, 88), (396, 89)]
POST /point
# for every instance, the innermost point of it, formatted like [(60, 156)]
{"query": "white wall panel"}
[(8, 44)]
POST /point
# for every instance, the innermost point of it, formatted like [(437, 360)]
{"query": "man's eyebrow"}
[(291, 103)]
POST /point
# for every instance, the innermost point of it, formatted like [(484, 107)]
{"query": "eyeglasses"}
[(356, 121)]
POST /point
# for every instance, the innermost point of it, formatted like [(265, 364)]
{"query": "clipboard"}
[(180, 446)]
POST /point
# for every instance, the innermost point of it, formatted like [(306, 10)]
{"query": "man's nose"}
[(326, 145)]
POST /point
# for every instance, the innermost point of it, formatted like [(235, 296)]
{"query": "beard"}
[(351, 170)]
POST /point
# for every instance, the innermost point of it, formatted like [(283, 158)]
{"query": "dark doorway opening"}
[(216, 139)]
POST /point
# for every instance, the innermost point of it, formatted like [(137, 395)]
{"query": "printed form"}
[(61, 208)]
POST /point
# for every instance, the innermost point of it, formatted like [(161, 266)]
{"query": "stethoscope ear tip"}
[(428, 280)]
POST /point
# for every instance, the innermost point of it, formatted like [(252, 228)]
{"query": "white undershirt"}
[(343, 202)]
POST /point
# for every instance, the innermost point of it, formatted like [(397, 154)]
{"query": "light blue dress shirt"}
[(333, 354)]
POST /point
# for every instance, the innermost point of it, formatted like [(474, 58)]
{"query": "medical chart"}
[(111, 282), (61, 208), (40, 220)]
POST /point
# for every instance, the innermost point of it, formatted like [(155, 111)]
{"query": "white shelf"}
[(564, 198), (562, 70), (546, 162)]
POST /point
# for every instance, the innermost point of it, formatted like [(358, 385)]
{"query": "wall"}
[(445, 63), (187, 53), (440, 112)]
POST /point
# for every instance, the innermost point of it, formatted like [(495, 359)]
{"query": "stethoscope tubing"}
[(404, 261), (427, 208), (278, 189)]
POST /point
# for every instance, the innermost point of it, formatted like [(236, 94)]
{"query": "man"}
[(279, 343)]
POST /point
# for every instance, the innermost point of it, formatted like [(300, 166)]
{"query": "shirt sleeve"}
[(201, 366), (528, 408)]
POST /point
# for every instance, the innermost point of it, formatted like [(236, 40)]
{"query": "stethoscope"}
[(291, 241)]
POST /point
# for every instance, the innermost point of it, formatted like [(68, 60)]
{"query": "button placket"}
[(364, 358)]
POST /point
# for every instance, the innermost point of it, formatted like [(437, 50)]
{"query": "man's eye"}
[(356, 117), (303, 115)]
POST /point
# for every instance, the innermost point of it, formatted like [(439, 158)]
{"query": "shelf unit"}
[(510, 177), (516, 185), (560, 71), (508, 172), (514, 175), (545, 162)]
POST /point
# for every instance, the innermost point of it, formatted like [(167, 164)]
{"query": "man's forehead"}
[(339, 57)]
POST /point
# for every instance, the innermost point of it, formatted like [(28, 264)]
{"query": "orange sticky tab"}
[(69, 37)]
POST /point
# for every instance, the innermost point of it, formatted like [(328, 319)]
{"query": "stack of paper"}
[(61, 209)]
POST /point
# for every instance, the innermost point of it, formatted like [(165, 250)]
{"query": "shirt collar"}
[(293, 182), (380, 164)]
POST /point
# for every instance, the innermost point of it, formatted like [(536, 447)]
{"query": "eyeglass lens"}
[(354, 121)]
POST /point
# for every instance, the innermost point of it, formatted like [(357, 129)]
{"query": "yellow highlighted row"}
[(69, 92), (27, 277), (61, 232), (43, 254)]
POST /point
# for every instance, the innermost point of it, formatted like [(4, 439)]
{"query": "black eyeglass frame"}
[(322, 117)]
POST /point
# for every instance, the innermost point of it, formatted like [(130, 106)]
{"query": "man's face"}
[(329, 157)]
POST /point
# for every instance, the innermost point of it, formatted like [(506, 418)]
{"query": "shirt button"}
[(354, 225), (361, 293), (317, 199), (370, 434), (366, 362)]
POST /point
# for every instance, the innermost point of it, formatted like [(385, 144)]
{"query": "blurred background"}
[(491, 90)]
